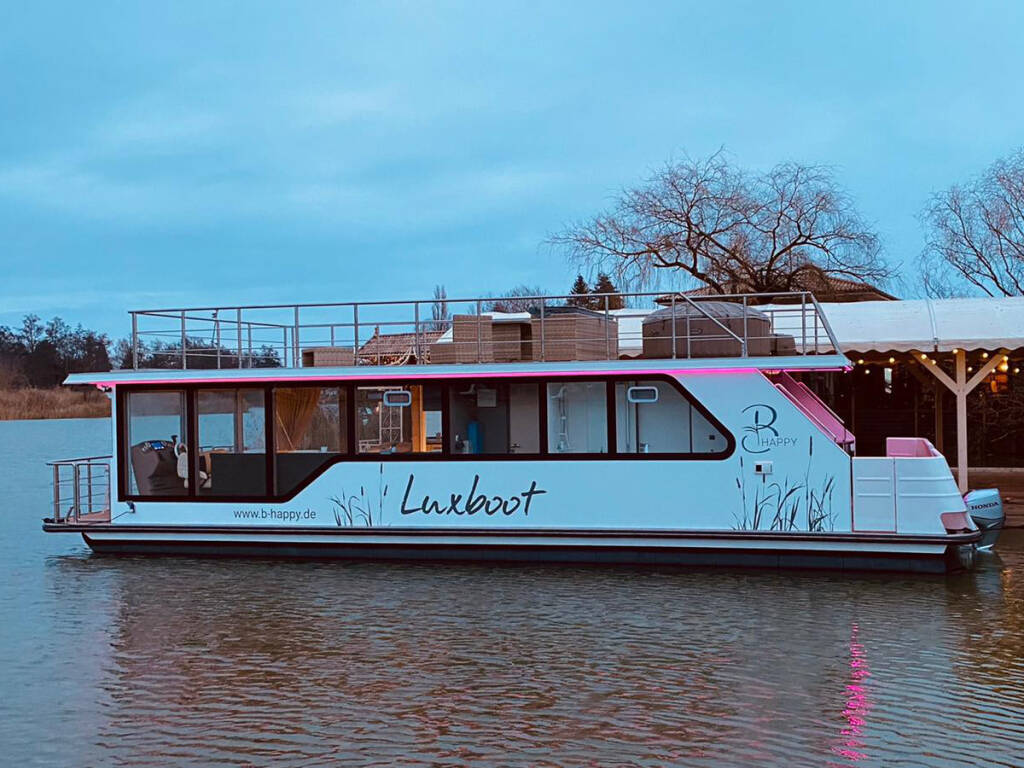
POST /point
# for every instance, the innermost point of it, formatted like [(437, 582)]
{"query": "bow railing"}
[(81, 489)]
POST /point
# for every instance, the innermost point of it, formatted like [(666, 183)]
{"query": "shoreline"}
[(37, 403)]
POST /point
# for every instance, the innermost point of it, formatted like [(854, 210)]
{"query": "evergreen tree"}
[(604, 284), (580, 293)]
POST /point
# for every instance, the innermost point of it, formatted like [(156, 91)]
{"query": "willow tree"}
[(975, 233), (730, 229)]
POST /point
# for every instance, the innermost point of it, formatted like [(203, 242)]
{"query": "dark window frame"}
[(346, 430), (495, 382), (694, 404), (351, 454), (122, 416), (354, 453)]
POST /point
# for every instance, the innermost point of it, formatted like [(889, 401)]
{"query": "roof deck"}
[(488, 331)]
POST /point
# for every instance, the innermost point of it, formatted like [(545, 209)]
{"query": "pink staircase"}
[(814, 408)]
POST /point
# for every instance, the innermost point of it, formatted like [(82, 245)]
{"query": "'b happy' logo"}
[(761, 434)]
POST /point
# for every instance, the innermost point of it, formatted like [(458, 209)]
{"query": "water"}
[(134, 661)]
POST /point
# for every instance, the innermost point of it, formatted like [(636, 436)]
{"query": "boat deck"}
[(81, 490), (483, 331)]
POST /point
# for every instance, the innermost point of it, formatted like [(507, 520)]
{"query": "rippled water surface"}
[(133, 661)]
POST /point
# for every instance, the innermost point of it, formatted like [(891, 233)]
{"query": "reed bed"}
[(55, 403)]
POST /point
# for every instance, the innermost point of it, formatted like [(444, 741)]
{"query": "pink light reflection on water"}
[(858, 703)]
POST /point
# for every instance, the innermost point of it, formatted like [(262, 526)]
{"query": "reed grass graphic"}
[(797, 504), (359, 509)]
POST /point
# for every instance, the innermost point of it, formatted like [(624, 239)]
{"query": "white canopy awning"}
[(928, 325)]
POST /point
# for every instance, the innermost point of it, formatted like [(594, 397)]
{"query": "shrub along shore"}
[(53, 403)]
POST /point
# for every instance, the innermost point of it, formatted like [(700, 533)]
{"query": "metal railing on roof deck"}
[(481, 329)]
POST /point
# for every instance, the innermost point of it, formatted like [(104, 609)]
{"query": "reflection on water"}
[(857, 702), (136, 661)]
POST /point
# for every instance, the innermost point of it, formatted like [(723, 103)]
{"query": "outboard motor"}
[(986, 510)]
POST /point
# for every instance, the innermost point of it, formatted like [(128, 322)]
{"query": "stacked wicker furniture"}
[(327, 357), (571, 333)]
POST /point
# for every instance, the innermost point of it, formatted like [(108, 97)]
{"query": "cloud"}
[(144, 129), (331, 106), (152, 163)]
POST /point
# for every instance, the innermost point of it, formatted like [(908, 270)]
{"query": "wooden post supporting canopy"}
[(960, 387)]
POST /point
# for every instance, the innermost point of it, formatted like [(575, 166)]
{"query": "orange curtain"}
[(293, 413)]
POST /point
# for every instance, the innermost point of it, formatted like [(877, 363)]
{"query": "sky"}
[(196, 153)]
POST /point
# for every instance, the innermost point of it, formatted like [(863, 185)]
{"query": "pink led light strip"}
[(429, 376)]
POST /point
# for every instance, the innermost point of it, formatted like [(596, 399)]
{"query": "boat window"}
[(231, 442), (397, 398), (577, 417), (642, 394), (494, 418), (156, 438), (661, 420), (310, 430), (385, 428)]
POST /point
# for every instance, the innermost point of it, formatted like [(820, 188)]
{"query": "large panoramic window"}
[(577, 417), (231, 442), (310, 430), (494, 418), (655, 417), (317, 425), (156, 443), (397, 419)]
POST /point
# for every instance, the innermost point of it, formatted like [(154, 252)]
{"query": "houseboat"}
[(679, 433)]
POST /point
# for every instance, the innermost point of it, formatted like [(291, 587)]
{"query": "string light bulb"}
[(1004, 367), (1016, 370), (892, 360), (984, 355), (860, 361), (970, 368)]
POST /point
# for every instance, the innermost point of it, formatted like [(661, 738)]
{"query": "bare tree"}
[(31, 332), (517, 299), (730, 229), (976, 233), (440, 316)]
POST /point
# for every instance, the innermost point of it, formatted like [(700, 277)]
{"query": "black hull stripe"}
[(470, 533), (615, 555)]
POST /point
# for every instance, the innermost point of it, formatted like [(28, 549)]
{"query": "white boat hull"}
[(720, 548)]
